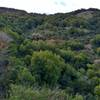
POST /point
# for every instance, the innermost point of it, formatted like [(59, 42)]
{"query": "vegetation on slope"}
[(50, 57)]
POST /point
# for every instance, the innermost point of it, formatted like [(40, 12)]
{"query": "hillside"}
[(53, 56)]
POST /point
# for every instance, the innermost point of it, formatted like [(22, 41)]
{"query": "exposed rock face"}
[(97, 61), (4, 37), (38, 36), (4, 40), (88, 46)]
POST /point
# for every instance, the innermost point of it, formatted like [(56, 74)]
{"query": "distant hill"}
[(24, 23)]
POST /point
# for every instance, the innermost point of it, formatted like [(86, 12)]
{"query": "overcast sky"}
[(50, 6)]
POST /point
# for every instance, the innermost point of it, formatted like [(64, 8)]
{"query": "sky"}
[(50, 6)]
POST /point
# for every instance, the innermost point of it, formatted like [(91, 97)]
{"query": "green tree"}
[(97, 90), (81, 60), (25, 77), (18, 73), (19, 92), (96, 41), (74, 45), (68, 76), (46, 67), (67, 55)]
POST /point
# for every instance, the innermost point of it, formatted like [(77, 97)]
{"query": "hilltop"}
[(58, 25)]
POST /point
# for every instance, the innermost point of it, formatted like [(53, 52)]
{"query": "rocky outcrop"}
[(4, 37)]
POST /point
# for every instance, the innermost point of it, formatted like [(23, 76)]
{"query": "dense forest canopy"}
[(50, 57)]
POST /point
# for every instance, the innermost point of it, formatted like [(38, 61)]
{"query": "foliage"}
[(96, 41), (97, 90), (54, 57), (74, 45), (46, 67), (24, 93)]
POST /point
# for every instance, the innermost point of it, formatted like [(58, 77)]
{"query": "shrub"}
[(46, 67), (19, 92)]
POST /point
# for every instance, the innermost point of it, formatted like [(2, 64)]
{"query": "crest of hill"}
[(18, 11), (85, 10), (4, 10), (85, 13)]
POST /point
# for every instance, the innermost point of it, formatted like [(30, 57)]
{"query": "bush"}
[(96, 41), (81, 60), (18, 73), (74, 45), (67, 55), (68, 76), (19, 92), (46, 67), (97, 90), (98, 51)]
